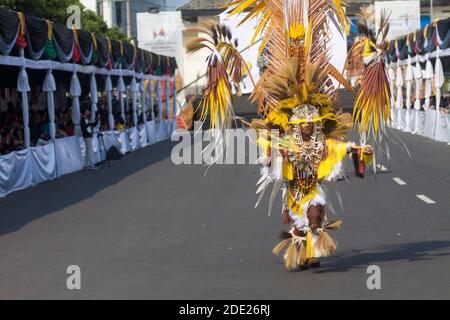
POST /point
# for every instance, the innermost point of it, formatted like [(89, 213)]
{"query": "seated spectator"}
[(69, 129), (45, 127), (8, 145), (43, 140), (120, 125), (60, 132), (18, 141)]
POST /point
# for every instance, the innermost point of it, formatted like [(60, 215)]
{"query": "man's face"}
[(307, 129)]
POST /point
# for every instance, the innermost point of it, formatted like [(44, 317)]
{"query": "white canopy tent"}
[(33, 165), (426, 119)]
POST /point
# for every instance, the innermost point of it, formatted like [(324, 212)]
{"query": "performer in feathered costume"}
[(296, 95)]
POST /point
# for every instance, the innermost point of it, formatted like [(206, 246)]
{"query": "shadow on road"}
[(20, 208), (410, 252)]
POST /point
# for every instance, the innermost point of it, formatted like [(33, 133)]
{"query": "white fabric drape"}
[(68, 155), (15, 172), (152, 100), (23, 87), (399, 101), (167, 92), (75, 93), (399, 84), (391, 74), (161, 132), (417, 103), (420, 122), (143, 92), (151, 126), (134, 95), (418, 77), (429, 74), (168, 122), (442, 129), (133, 134), (50, 87), (143, 136), (430, 124), (25, 106), (124, 141), (121, 89), (409, 78), (94, 97), (175, 106), (109, 89), (160, 103), (439, 80), (42, 163), (27, 168)]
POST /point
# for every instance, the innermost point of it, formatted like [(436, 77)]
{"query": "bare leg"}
[(316, 217)]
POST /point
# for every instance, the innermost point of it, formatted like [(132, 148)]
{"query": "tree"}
[(93, 23), (56, 10)]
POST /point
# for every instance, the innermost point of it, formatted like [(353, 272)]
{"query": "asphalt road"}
[(147, 229)]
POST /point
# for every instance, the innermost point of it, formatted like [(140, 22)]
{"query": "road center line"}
[(425, 199), (400, 181)]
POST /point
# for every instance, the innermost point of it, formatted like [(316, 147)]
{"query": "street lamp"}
[(128, 5), (431, 11)]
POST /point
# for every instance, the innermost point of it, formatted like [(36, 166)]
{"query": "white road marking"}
[(382, 168), (400, 181), (425, 199)]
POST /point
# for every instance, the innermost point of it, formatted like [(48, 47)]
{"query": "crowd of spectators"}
[(12, 133), (11, 129), (445, 104), (11, 123)]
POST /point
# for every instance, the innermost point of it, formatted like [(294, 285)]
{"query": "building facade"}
[(122, 13)]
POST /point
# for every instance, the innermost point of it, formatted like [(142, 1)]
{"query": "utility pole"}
[(431, 11), (128, 4)]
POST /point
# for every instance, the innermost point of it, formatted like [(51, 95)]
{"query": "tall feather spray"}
[(372, 111), (224, 60)]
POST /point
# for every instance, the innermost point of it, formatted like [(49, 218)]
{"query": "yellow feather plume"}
[(325, 245)]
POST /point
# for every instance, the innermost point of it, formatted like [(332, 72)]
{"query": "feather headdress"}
[(296, 36)]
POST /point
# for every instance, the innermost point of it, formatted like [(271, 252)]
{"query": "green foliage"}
[(93, 23), (56, 10)]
